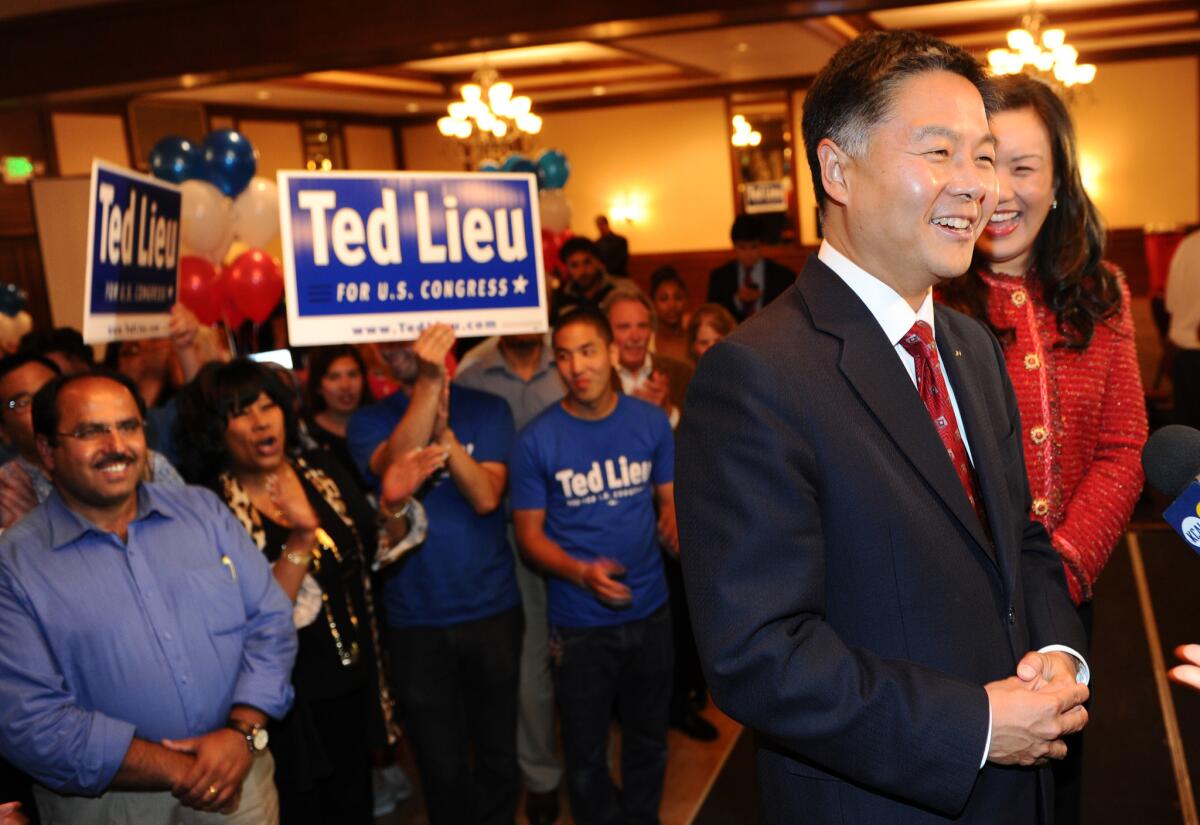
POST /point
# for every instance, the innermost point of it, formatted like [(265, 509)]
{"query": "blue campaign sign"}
[(133, 255), (378, 256)]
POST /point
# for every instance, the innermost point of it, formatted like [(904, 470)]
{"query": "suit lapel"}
[(870, 364), (980, 433)]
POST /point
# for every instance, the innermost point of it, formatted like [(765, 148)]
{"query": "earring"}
[(1054, 204)]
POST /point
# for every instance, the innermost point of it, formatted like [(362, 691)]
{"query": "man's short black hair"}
[(746, 229), (12, 363), (61, 339), (46, 414), (585, 315), (577, 243), (854, 91)]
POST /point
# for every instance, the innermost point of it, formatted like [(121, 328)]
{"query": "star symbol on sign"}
[(519, 284)]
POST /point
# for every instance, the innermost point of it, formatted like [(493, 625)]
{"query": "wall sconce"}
[(629, 208)]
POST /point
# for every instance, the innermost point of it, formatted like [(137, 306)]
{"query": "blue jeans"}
[(626, 668)]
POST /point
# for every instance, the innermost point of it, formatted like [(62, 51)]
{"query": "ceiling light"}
[(1041, 51), (489, 121)]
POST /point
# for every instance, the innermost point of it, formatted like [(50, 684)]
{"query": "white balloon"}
[(256, 213), (206, 219), (23, 322), (555, 210)]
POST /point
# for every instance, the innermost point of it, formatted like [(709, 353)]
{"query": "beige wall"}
[(426, 150), (1139, 137), (277, 142), (369, 147), (80, 138), (806, 199), (672, 159)]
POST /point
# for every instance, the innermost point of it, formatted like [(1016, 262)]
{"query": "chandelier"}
[(489, 121), (1045, 50)]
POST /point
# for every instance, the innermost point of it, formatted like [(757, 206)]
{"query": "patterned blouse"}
[(1084, 419)]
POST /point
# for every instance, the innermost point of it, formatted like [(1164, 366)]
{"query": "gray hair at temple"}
[(855, 89)]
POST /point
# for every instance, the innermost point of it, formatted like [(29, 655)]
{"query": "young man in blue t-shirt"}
[(452, 605), (587, 476)]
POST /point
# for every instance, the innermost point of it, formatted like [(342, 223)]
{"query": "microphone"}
[(1171, 461)]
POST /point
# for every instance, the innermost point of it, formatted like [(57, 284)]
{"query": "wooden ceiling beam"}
[(1064, 17), (141, 46)]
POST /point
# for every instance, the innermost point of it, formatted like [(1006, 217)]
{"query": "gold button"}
[(1038, 434), (1041, 506), (1018, 297), (1032, 362)]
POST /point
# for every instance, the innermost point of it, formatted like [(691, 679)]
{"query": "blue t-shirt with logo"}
[(596, 480), (464, 570)]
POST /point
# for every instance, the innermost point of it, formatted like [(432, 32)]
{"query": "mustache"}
[(114, 458)]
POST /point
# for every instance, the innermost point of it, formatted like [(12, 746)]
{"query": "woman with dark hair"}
[(336, 387), (320, 534), (1062, 314), (670, 296)]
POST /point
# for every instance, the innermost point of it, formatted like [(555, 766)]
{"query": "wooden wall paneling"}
[(21, 264)]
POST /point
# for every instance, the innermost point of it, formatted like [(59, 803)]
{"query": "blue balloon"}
[(552, 169), (13, 299), (517, 163), (174, 159), (489, 166), (228, 161)]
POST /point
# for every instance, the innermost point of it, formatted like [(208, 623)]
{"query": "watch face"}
[(260, 739)]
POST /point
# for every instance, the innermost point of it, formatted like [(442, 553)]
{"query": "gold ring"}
[(212, 790)]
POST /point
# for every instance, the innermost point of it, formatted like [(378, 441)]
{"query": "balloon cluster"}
[(14, 320), (248, 288), (552, 171), (223, 201)]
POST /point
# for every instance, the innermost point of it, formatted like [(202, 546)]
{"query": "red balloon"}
[(255, 283), (200, 288), (231, 314)]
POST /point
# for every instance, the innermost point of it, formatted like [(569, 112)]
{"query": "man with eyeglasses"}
[(143, 640), (23, 482)]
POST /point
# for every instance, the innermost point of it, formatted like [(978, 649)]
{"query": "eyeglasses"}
[(96, 432), (21, 402)]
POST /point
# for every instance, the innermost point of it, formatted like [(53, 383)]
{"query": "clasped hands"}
[(1035, 708), (220, 763)]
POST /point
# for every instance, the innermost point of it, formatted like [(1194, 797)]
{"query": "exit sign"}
[(17, 169)]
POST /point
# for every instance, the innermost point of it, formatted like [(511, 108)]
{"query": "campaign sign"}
[(765, 196), (133, 255), (379, 256), (1183, 515)]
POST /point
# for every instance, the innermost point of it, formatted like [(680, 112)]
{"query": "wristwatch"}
[(256, 735)]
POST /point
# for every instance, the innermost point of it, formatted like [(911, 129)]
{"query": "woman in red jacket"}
[(1062, 315)]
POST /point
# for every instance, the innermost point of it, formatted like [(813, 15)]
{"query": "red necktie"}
[(918, 342)]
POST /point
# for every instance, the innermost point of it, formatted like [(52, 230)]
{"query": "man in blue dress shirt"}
[(143, 639)]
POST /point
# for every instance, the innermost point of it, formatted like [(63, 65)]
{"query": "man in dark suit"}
[(749, 282), (868, 592)]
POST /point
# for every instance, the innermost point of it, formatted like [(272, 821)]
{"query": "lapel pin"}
[(958, 353)]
